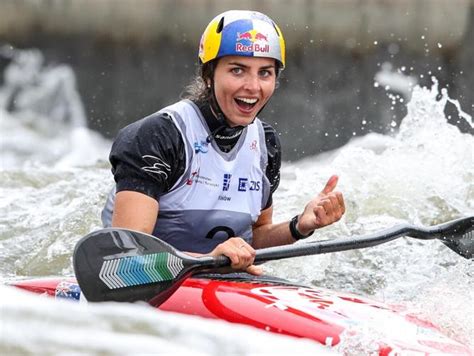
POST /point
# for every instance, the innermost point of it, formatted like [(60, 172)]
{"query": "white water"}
[(54, 178)]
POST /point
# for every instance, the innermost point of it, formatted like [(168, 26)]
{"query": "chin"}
[(242, 121)]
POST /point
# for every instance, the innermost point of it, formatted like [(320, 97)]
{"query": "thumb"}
[(330, 185), (255, 270)]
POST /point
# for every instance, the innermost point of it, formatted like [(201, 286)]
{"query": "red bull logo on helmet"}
[(252, 41)]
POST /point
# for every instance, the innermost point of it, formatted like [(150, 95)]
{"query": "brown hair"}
[(198, 89)]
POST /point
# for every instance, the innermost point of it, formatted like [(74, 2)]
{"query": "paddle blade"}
[(456, 234), (463, 245), (126, 266)]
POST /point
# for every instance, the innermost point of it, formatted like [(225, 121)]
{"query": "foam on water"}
[(30, 325), (44, 211)]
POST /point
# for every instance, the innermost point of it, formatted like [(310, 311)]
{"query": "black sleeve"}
[(274, 159), (148, 156)]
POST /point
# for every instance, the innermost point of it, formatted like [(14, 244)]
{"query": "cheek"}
[(225, 92), (269, 89), (220, 95)]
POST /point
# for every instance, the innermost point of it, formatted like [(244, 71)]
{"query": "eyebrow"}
[(246, 66)]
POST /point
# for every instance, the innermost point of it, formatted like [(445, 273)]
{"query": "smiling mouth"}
[(246, 104)]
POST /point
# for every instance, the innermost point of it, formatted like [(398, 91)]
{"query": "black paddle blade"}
[(458, 235), (461, 240), (126, 266), (463, 246)]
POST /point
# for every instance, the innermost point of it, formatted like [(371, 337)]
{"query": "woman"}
[(200, 173)]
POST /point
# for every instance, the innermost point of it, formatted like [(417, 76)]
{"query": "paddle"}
[(126, 266)]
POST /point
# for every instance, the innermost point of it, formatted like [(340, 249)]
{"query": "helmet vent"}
[(220, 26)]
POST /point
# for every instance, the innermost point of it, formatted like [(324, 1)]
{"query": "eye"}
[(266, 73), (236, 70)]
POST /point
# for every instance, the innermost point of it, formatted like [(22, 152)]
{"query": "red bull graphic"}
[(260, 37), (252, 41), (244, 36)]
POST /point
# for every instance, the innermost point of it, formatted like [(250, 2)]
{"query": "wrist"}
[(295, 233)]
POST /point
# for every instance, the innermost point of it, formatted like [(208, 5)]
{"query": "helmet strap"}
[(220, 116), (215, 108)]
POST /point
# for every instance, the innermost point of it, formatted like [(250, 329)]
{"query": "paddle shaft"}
[(445, 232), (319, 247), (281, 252)]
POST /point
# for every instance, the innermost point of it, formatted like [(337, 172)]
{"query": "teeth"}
[(247, 100)]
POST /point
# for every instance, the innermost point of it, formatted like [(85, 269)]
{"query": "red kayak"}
[(286, 308)]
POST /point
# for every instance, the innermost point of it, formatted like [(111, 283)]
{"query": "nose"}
[(252, 82)]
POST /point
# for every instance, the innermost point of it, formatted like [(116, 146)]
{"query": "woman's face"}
[(243, 86)]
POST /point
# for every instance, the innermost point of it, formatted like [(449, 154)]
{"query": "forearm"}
[(267, 235)]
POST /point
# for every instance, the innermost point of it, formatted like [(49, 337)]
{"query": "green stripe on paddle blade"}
[(140, 270)]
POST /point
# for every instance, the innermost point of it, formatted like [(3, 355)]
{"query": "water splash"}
[(44, 116), (427, 167), (395, 80), (60, 327)]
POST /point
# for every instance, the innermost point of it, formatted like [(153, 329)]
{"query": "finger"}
[(336, 206), (255, 270), (326, 213), (247, 256), (244, 252), (320, 215), (342, 204), (230, 249), (234, 258), (327, 205), (336, 210), (330, 184)]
